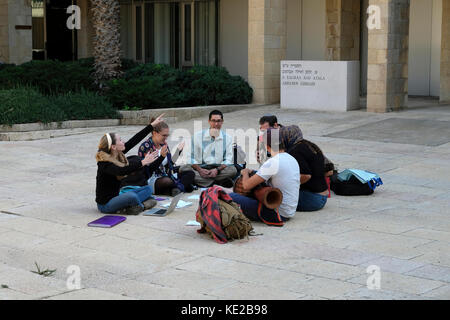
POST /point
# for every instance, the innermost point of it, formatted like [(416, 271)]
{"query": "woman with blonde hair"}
[(113, 166)]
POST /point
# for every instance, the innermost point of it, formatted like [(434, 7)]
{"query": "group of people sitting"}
[(289, 162)]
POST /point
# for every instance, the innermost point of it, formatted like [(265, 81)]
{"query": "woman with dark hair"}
[(162, 179), (280, 171), (113, 166), (313, 192)]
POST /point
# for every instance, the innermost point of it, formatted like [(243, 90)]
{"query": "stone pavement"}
[(47, 191)]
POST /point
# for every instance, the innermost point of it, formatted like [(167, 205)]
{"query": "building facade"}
[(403, 46)]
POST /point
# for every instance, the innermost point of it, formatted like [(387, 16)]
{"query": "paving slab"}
[(88, 294), (441, 293), (410, 131), (439, 273), (45, 205), (401, 283)]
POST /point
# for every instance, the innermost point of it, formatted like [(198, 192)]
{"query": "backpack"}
[(353, 182), (222, 218)]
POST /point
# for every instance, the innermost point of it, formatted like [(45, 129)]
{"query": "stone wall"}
[(445, 53), (266, 48), (343, 30), (15, 31), (4, 27), (387, 76)]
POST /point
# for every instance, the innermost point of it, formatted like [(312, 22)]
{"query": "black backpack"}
[(352, 187)]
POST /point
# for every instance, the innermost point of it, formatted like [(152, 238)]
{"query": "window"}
[(179, 33), (138, 33)]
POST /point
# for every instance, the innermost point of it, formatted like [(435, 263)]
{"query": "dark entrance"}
[(61, 41)]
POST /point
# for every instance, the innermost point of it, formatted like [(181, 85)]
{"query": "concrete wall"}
[(233, 36), (313, 30), (294, 30), (306, 30), (436, 42), (424, 47)]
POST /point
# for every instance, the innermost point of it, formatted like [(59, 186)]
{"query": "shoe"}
[(226, 183), (187, 179), (175, 191), (149, 203), (131, 211)]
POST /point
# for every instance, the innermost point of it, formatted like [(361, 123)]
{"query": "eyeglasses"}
[(164, 135)]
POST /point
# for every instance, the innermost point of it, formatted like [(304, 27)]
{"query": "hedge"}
[(161, 86), (143, 86), (27, 105), (53, 76)]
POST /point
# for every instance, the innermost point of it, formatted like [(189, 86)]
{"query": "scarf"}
[(290, 136), (149, 146)]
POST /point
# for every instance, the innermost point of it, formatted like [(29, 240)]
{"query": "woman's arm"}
[(112, 169), (138, 137), (304, 178), (130, 144)]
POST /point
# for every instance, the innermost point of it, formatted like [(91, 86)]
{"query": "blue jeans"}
[(309, 201), (129, 199), (249, 207)]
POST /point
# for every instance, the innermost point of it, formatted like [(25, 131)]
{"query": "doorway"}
[(60, 41)]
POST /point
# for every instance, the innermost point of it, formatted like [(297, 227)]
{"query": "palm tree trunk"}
[(107, 52)]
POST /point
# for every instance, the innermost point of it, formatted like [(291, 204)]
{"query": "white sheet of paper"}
[(193, 223)]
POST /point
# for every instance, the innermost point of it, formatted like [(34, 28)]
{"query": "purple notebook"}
[(107, 221)]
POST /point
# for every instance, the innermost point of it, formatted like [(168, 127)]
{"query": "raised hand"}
[(164, 150), (157, 120), (181, 146), (150, 158)]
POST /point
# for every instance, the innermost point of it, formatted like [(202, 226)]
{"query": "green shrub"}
[(127, 64), (151, 69), (26, 105), (5, 65), (54, 77), (159, 86), (143, 86), (146, 91), (210, 85), (49, 77), (84, 105)]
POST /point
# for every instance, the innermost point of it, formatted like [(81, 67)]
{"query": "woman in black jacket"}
[(113, 166), (313, 193)]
